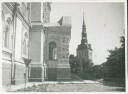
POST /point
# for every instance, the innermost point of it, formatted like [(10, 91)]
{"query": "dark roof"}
[(82, 46)]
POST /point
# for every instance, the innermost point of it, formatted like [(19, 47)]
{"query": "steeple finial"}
[(84, 26), (83, 19)]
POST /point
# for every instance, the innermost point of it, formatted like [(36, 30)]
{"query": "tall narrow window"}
[(6, 37), (24, 47), (25, 43), (6, 32), (52, 51)]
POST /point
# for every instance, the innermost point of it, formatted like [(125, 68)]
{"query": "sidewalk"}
[(30, 84), (16, 87), (64, 86)]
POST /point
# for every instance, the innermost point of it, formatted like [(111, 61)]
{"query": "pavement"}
[(72, 86), (29, 84), (75, 85), (16, 87), (82, 87)]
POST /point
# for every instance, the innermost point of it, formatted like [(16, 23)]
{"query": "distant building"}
[(84, 50), (16, 27), (56, 58)]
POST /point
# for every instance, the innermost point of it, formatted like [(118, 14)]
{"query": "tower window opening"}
[(52, 51)]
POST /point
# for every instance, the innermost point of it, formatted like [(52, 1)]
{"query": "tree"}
[(114, 67), (97, 71), (74, 64)]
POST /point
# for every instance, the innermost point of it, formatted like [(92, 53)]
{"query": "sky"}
[(104, 23)]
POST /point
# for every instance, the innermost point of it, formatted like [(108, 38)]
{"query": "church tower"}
[(84, 50), (84, 33)]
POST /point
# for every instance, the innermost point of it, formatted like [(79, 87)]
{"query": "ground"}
[(75, 85), (81, 86)]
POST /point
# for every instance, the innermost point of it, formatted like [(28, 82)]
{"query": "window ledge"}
[(7, 50), (25, 56)]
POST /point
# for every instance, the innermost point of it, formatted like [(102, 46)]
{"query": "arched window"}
[(6, 31), (24, 47), (52, 51), (6, 36)]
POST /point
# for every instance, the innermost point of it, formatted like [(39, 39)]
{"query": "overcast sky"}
[(104, 22)]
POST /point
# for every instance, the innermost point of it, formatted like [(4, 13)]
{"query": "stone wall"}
[(35, 45), (52, 74), (36, 11), (6, 73), (63, 74), (35, 73), (19, 73)]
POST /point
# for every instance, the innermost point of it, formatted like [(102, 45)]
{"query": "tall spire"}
[(84, 34), (83, 20)]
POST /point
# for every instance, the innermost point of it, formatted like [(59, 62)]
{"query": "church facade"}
[(84, 50)]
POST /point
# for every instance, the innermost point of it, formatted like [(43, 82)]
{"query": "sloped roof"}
[(64, 21)]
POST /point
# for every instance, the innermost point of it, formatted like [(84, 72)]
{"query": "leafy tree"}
[(114, 67), (97, 71), (74, 64)]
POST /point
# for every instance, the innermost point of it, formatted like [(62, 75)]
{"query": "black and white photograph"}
[(63, 46)]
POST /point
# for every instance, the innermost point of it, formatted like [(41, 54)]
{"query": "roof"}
[(64, 21), (84, 46), (51, 24)]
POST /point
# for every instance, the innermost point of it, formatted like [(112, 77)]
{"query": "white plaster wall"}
[(18, 38)]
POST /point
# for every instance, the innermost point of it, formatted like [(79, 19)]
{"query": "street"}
[(79, 86)]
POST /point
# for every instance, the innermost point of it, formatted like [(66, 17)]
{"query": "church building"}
[(84, 50)]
